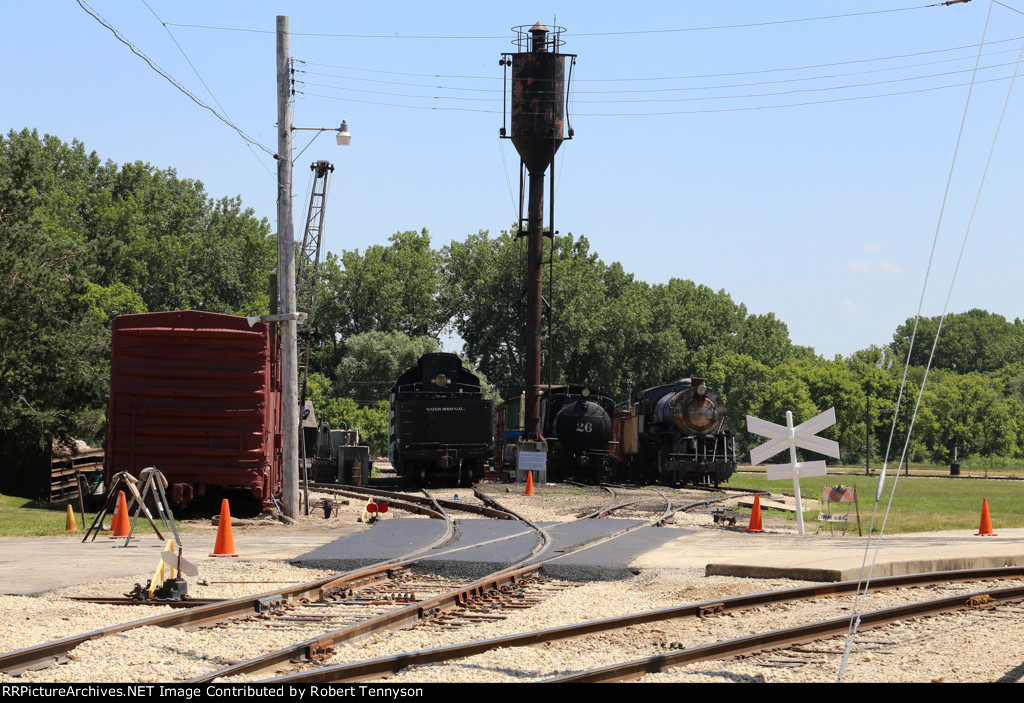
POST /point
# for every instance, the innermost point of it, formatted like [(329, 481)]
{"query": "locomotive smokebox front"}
[(695, 410), (583, 426)]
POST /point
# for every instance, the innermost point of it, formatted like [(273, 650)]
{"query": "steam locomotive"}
[(675, 434), (440, 426), (575, 422)]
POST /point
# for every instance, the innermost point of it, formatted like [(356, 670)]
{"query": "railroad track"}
[(389, 598), (516, 586), (339, 609), (384, 666)]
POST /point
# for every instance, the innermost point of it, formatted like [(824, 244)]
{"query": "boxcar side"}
[(198, 396)]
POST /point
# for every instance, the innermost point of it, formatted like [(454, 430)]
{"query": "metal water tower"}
[(538, 110)]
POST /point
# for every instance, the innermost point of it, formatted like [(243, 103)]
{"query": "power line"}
[(170, 79), (691, 76), (757, 24), (795, 90), (208, 90), (802, 79), (577, 34), (676, 112)]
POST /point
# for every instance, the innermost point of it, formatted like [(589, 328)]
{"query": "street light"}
[(344, 138)]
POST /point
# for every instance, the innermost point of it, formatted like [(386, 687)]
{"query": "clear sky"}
[(797, 162)]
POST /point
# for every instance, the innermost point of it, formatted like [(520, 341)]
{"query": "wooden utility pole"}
[(286, 275)]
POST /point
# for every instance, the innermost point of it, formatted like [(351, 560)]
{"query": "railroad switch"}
[(173, 590)]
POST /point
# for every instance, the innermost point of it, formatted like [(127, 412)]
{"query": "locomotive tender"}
[(675, 434), (440, 425)]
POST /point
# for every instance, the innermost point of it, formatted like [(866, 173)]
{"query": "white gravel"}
[(968, 647)]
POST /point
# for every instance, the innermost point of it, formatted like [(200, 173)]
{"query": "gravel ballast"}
[(974, 646)]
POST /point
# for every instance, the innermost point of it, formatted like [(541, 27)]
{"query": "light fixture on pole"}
[(344, 138)]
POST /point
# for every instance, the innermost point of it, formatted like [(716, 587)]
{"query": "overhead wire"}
[(730, 74), (581, 34), (170, 79), (801, 79), (441, 98), (666, 113), (863, 588), (248, 145)]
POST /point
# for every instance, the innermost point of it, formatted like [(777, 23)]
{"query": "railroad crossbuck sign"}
[(803, 435)]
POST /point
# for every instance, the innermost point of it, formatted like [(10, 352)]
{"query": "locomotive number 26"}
[(584, 426)]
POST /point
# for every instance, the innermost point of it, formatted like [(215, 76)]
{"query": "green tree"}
[(741, 381), (374, 360), (53, 354), (484, 301), (82, 241), (394, 288), (975, 340)]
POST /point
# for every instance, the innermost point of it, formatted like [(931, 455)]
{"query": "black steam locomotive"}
[(675, 434), (440, 427), (577, 426)]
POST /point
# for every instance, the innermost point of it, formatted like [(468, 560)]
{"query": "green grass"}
[(921, 504), (21, 517)]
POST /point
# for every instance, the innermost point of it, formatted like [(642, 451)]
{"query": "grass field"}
[(921, 504), (21, 517)]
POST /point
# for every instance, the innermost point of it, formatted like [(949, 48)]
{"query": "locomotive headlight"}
[(700, 415), (441, 380), (702, 389), (585, 392)]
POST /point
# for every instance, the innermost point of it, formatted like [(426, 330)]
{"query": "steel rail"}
[(395, 619), (186, 617), (412, 504), (315, 648), (359, 491), (780, 638), (374, 668), (187, 603), (39, 655)]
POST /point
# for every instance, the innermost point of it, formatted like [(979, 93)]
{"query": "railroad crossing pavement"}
[(34, 565), (481, 547), (31, 566)]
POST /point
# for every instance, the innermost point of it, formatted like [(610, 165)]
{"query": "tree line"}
[(84, 240)]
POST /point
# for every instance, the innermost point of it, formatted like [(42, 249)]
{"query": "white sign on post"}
[(803, 435)]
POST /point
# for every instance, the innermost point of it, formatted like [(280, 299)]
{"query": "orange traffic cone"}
[(529, 484), (119, 524), (225, 546), (986, 521), (70, 525), (755, 516)]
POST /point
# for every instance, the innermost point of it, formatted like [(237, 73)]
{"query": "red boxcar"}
[(198, 396)]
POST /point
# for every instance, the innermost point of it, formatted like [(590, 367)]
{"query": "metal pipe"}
[(534, 283)]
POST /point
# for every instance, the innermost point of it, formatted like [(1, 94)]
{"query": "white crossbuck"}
[(803, 435)]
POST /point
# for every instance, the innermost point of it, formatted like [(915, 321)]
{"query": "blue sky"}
[(799, 165)]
